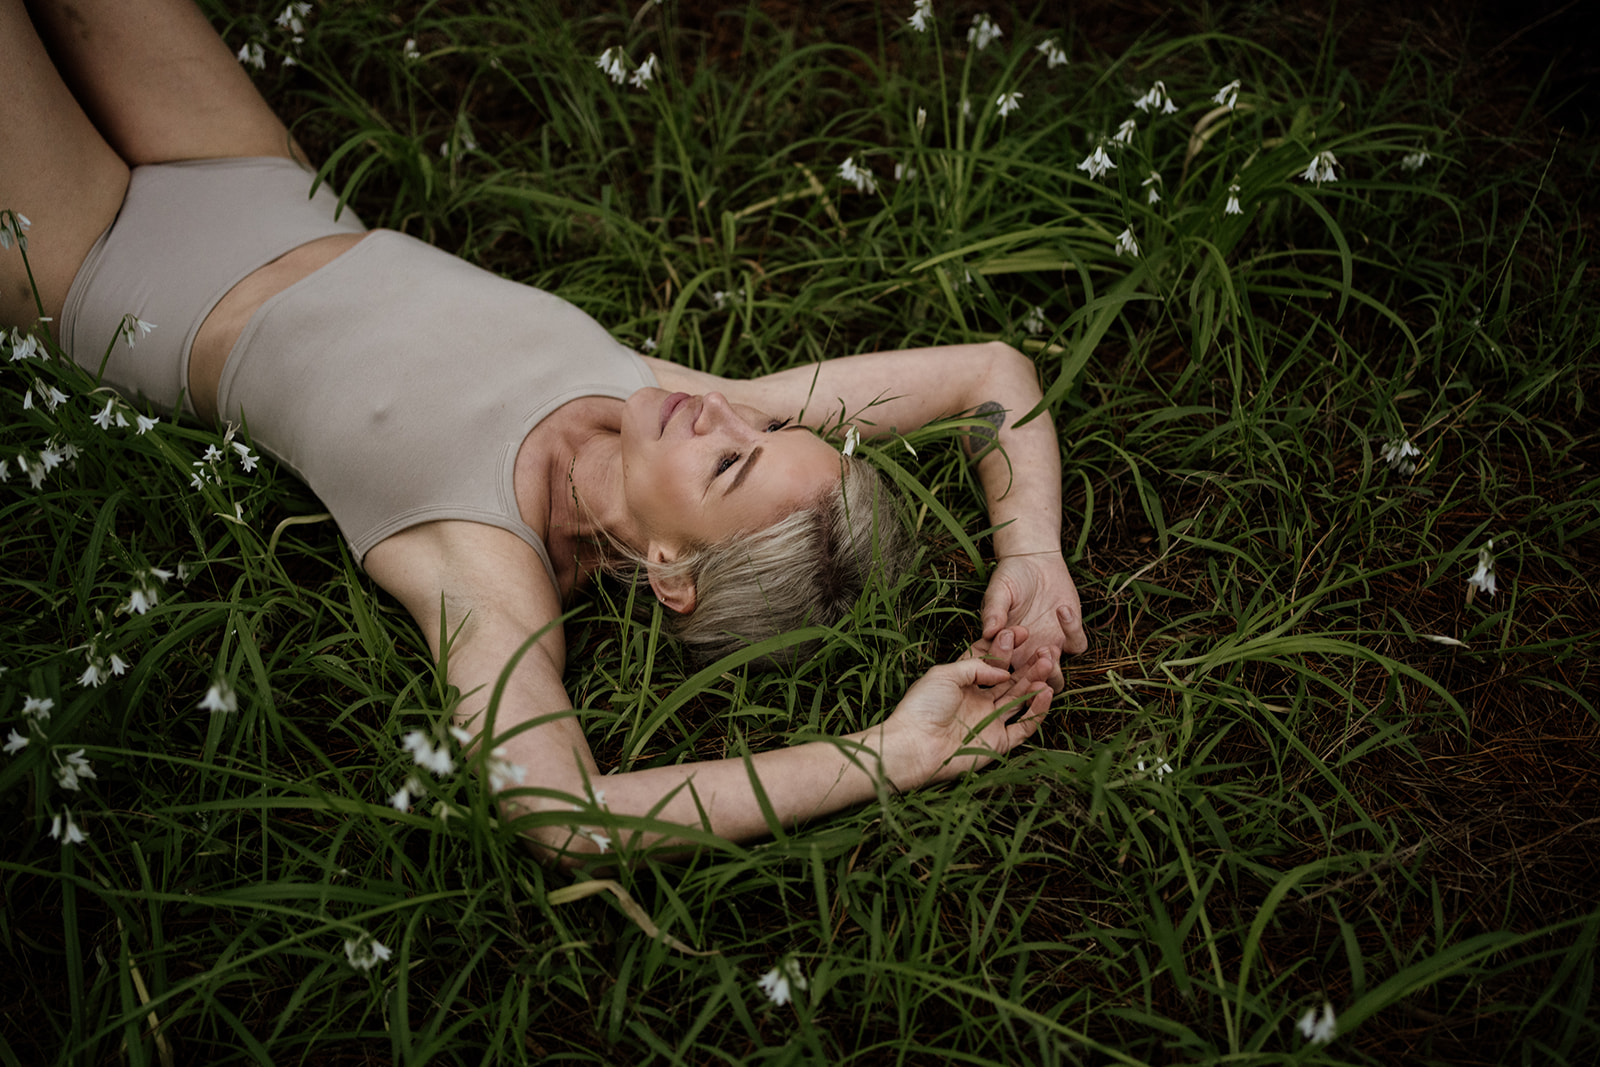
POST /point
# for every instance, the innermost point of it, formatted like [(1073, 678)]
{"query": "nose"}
[(715, 412)]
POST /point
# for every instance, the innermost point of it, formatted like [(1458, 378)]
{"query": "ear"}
[(676, 592)]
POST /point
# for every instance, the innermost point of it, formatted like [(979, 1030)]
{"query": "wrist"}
[(900, 763)]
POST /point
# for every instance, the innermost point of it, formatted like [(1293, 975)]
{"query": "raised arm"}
[(1031, 589), (946, 723)]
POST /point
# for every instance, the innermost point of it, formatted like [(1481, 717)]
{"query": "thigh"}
[(158, 81), (55, 169)]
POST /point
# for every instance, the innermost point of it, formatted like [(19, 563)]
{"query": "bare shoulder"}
[(478, 582)]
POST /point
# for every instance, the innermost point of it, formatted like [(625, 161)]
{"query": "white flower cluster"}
[(437, 759), (13, 226), (1156, 99), (146, 591), (860, 177), (1232, 206), (1125, 132), (1319, 1029), (365, 951), (291, 21), (1413, 161), (1320, 169), (614, 62), (1398, 454), (1053, 55), (983, 32), (1007, 103), (1482, 579), (780, 982), (1035, 322), (1228, 95), (921, 16), (1097, 163), (1126, 243)]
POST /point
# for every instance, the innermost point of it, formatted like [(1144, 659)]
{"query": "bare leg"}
[(55, 168), (158, 81)]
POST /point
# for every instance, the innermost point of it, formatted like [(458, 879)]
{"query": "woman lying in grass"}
[(486, 447)]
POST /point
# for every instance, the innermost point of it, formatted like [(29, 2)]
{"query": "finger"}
[(1072, 630), (1025, 725), (972, 671), (993, 611)]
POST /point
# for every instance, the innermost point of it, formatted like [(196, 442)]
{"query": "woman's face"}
[(697, 470)]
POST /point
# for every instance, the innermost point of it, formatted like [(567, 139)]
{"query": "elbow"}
[(553, 839)]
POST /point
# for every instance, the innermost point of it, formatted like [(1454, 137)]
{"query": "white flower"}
[(145, 424), (23, 345), (133, 327), (1126, 243), (646, 71), (1125, 132), (1228, 95), (409, 52), (1156, 99), (52, 397), (13, 224), (503, 773), (365, 952), (118, 665), (1007, 103), (50, 458), (1035, 322), (253, 54), (220, 697), (1053, 55), (1318, 1031), (903, 172), (15, 743), (1162, 769), (859, 177), (649, 345), (34, 471), (38, 708), (103, 418), (966, 108), (425, 755), (63, 829), (1150, 183), (610, 61), (92, 675), (1483, 578), (139, 602), (1320, 169), (852, 437), (922, 118), (211, 454), (292, 17), (402, 799), (1398, 453), (779, 982), (1232, 206), (247, 459), (921, 16), (983, 32), (1097, 162), (72, 768), (1412, 162)]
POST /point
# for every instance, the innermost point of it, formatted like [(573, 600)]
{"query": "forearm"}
[(1020, 466), (721, 796)]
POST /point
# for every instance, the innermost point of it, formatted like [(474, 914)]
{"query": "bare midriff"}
[(227, 320)]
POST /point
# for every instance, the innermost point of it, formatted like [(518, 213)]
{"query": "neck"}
[(584, 482)]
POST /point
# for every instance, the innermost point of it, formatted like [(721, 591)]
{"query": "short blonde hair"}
[(806, 569)]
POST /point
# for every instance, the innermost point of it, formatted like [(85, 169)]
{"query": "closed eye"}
[(727, 461), (778, 424)]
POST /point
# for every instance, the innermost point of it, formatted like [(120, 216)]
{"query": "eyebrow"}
[(744, 471)]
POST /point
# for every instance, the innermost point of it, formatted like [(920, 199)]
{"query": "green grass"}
[(1354, 810)]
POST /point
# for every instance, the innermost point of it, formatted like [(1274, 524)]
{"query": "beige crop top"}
[(398, 382)]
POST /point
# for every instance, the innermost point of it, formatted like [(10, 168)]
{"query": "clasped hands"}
[(965, 713)]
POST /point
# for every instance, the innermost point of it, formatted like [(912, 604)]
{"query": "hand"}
[(1034, 599), (967, 705)]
